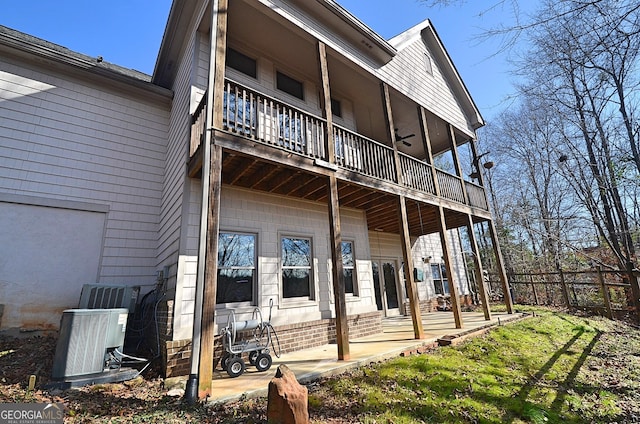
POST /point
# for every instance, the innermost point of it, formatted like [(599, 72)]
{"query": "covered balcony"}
[(276, 147), (276, 140)]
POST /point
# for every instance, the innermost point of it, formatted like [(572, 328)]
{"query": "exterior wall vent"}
[(101, 296)]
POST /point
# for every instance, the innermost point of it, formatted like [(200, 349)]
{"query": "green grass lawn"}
[(550, 368)]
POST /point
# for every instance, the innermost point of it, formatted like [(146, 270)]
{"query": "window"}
[(348, 266), (296, 267), (336, 108), (289, 85), (427, 64), (236, 268), (440, 282), (241, 62)]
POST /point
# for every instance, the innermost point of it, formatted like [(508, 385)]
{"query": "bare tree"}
[(539, 206), (577, 67)]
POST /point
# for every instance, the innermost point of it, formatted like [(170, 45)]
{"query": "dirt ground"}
[(148, 399)]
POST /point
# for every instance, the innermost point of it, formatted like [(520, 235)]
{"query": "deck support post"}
[(414, 304), (207, 333), (446, 252), (477, 261), (500, 268), (202, 347), (335, 231)]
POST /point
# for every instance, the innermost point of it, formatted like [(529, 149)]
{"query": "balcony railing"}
[(358, 153), (416, 174), (476, 196), (272, 122), (450, 186), (197, 126)]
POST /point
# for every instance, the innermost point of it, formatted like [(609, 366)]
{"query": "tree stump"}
[(288, 399)]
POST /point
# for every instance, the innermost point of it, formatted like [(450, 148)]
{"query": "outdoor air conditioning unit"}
[(87, 342), (103, 296)]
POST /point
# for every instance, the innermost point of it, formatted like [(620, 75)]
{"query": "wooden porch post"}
[(335, 232), (456, 161), (342, 326), (414, 303), (426, 141), (500, 267), (446, 251), (478, 266), (205, 371), (203, 333)]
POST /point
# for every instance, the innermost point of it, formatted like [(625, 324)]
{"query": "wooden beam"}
[(453, 287), (605, 293), (218, 43), (500, 267), (426, 140), (335, 231), (456, 162), (388, 114), (211, 277), (414, 302), (330, 145), (479, 275)]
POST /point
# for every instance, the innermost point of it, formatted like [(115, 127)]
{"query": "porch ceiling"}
[(381, 208)]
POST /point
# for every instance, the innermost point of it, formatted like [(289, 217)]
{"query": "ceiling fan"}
[(403, 138)]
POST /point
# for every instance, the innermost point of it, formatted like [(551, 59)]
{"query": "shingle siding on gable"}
[(407, 73), (73, 139)]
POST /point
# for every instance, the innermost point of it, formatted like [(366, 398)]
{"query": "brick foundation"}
[(290, 338)]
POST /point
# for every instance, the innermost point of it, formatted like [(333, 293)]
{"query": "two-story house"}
[(281, 154)]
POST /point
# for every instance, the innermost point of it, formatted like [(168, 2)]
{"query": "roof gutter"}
[(53, 52)]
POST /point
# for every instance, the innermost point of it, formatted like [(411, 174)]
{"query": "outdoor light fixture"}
[(476, 172)]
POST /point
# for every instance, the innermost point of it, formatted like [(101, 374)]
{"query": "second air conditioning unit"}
[(104, 296)]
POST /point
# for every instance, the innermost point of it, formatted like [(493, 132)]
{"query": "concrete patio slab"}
[(396, 339)]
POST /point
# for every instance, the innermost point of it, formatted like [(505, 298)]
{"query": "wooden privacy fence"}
[(613, 294)]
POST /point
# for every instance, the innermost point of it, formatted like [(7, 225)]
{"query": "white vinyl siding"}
[(408, 74), (73, 139), (402, 73), (270, 216)]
